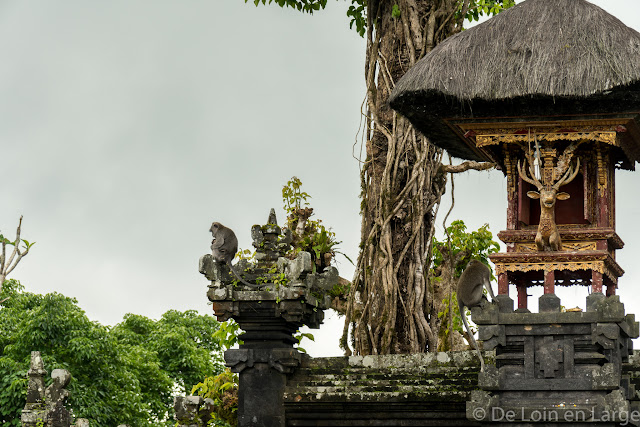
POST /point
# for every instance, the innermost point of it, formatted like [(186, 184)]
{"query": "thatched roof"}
[(558, 56)]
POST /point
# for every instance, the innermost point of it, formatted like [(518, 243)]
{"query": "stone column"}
[(263, 377), (34, 411), (267, 355)]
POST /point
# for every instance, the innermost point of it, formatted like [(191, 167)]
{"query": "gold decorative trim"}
[(566, 246), (510, 168), (548, 267), (504, 136), (579, 246), (526, 236)]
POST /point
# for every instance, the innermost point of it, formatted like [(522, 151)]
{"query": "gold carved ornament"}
[(510, 168), (602, 171), (505, 136), (566, 246), (549, 267)]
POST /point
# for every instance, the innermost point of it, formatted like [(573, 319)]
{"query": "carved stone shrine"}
[(288, 294), (556, 366)]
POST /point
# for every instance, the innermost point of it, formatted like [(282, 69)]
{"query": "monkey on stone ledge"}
[(473, 279), (224, 247)]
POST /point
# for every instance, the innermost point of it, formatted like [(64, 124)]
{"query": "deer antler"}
[(568, 176), (532, 180)]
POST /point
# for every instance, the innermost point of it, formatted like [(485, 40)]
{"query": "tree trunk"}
[(391, 306)]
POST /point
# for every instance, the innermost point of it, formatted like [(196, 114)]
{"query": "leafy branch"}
[(308, 234), (469, 10)]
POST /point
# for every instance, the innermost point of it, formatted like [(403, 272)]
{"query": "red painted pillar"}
[(611, 289), (503, 284), (596, 282), (550, 282), (522, 294)]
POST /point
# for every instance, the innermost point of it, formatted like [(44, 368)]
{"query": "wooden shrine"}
[(550, 93), (561, 197)]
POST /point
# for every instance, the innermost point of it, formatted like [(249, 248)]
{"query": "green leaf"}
[(395, 11)]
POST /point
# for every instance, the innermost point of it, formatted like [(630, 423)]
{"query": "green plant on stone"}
[(246, 254), (457, 319), (309, 235), (340, 290), (227, 334), (300, 336), (449, 259), (293, 197), (223, 390)]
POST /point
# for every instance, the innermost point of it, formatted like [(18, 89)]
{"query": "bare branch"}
[(16, 245), (465, 166), (463, 13), (7, 266)]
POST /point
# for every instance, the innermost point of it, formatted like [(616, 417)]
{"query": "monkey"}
[(470, 295), (224, 247)]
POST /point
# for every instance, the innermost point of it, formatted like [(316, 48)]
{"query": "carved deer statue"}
[(547, 237)]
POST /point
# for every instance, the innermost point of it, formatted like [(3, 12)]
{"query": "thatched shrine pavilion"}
[(550, 92)]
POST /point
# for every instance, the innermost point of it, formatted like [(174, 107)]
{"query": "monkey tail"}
[(235, 273), (471, 337)]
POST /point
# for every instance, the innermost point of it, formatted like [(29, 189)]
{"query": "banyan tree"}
[(552, 84)]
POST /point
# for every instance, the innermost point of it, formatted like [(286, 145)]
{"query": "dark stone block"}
[(611, 309), (594, 300), (505, 303), (549, 303)]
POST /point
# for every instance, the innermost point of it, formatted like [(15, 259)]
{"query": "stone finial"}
[(35, 388), (192, 411), (56, 397), (272, 217), (186, 408), (81, 422), (56, 391)]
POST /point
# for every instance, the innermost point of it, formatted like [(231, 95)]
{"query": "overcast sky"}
[(128, 126)]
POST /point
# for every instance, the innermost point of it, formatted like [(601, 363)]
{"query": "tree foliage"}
[(461, 247), (450, 257), (223, 390), (470, 10), (125, 374), (309, 235)]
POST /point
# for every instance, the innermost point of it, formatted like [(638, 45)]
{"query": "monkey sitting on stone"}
[(224, 247), (473, 279)]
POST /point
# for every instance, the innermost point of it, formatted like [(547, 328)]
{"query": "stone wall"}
[(391, 390)]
